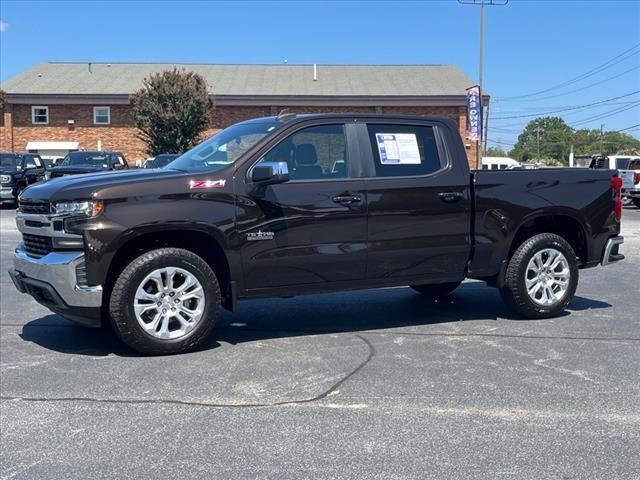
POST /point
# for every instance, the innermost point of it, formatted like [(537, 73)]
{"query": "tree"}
[(588, 142), (495, 152), (171, 111), (545, 138), (3, 99)]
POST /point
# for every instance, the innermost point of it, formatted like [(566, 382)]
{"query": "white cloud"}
[(3, 26)]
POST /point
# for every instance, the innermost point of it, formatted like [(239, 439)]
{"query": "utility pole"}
[(601, 135), (482, 3), (538, 129)]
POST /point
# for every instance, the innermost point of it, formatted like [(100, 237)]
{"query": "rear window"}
[(404, 150)]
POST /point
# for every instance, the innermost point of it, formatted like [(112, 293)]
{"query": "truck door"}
[(418, 202), (312, 229)]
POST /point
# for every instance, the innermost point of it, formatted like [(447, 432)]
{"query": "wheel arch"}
[(568, 224), (207, 244)]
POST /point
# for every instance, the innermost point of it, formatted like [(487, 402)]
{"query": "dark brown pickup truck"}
[(301, 204)]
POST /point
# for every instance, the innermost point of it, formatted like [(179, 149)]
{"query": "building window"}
[(101, 115), (40, 115)]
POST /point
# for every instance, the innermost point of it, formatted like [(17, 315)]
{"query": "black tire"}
[(121, 302), (436, 289), (514, 293), (636, 202)]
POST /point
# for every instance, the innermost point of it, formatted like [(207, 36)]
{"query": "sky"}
[(567, 53)]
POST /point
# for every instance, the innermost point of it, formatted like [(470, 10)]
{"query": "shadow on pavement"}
[(304, 316)]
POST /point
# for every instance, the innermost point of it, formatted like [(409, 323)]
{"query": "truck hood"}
[(90, 185)]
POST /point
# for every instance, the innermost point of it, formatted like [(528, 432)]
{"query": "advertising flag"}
[(474, 113)]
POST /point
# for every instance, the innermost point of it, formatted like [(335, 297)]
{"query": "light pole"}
[(482, 3)]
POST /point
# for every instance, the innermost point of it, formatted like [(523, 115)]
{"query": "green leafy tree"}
[(545, 138), (3, 99), (495, 152), (171, 111), (587, 142)]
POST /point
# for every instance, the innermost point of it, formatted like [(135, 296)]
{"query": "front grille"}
[(36, 244), (38, 208)]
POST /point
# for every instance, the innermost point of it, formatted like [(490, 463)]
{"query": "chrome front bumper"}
[(610, 253), (51, 280), (6, 193)]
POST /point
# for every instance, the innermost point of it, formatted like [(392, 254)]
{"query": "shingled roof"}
[(118, 79)]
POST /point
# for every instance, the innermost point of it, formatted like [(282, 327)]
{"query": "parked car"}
[(259, 210), (160, 161), (17, 171), (87, 162)]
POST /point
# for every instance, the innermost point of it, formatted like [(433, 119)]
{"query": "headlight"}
[(5, 178), (90, 208)]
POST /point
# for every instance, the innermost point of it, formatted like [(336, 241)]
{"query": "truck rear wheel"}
[(436, 289), (541, 277), (165, 301), (636, 202)]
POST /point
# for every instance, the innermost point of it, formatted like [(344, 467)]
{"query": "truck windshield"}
[(9, 161), (76, 159), (224, 147)]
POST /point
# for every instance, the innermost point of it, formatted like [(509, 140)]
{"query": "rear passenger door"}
[(311, 230), (418, 202)]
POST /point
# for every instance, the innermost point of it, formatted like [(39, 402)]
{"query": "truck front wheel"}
[(436, 289), (541, 277), (165, 301)]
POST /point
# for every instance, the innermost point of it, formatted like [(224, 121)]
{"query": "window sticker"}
[(398, 148)]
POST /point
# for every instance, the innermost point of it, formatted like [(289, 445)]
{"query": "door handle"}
[(450, 197), (346, 199)]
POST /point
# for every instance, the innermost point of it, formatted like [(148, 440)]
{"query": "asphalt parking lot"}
[(373, 384)]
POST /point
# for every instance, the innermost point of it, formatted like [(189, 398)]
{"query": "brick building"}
[(56, 107)]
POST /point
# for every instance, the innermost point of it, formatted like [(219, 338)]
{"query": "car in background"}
[(76, 163), (631, 181), (499, 163), (17, 172), (161, 160), (628, 167)]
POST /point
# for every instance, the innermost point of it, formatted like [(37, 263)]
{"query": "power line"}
[(608, 64), (632, 127), (580, 107), (602, 115), (572, 91)]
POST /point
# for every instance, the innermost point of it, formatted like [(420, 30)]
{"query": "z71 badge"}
[(259, 235), (199, 184)]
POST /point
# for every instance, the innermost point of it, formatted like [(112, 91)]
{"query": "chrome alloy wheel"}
[(547, 277), (169, 303)]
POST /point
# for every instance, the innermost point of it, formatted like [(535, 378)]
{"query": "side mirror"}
[(118, 166), (270, 173)]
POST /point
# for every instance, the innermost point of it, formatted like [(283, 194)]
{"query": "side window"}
[(404, 150), (29, 161), (313, 153)]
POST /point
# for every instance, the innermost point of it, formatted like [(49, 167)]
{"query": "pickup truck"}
[(288, 205), (631, 181), (17, 172), (76, 163)]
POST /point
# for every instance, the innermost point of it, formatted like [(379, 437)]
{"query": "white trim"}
[(33, 115), (95, 116), (38, 145)]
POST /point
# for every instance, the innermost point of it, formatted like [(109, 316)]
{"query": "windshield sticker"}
[(199, 184), (398, 148)]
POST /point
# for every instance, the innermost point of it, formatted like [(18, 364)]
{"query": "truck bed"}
[(508, 202)]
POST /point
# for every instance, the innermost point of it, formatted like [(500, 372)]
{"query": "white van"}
[(498, 163)]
